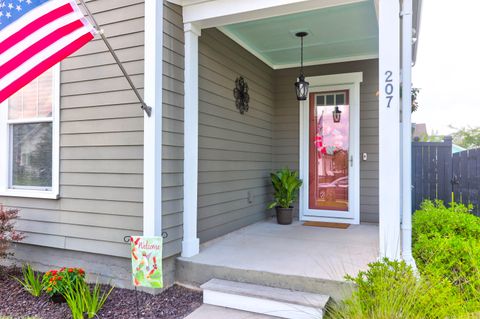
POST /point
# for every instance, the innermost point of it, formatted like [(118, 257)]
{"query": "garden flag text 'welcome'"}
[(34, 36), (146, 255)]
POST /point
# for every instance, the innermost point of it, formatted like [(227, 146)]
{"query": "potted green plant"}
[(286, 185)]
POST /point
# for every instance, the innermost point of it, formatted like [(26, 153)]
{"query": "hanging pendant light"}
[(337, 114), (301, 86)]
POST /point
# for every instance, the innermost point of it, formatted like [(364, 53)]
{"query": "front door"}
[(330, 156)]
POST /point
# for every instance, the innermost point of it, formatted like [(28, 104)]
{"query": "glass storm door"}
[(329, 158)]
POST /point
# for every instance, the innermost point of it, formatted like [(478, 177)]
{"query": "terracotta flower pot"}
[(284, 215)]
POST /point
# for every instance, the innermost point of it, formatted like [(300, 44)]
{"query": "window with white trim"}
[(29, 139)]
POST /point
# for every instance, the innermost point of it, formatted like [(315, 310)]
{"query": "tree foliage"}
[(467, 137)]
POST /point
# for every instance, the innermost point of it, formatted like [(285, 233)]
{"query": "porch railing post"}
[(191, 243), (389, 129)]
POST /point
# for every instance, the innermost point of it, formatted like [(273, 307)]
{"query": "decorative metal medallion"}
[(240, 92)]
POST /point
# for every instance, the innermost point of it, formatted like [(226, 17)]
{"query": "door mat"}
[(328, 225)]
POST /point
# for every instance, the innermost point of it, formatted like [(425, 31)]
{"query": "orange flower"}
[(54, 283), (70, 269), (49, 289), (59, 278)]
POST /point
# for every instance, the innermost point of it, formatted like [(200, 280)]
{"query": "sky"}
[(448, 65)]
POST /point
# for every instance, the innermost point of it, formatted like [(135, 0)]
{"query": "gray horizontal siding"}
[(172, 164), (101, 144), (235, 151), (286, 131)]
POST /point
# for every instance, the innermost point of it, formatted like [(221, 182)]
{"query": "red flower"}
[(59, 278), (70, 269)]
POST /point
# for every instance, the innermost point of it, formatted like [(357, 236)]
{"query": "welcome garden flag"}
[(147, 261), (34, 36)]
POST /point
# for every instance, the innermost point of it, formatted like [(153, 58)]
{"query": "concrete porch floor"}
[(295, 250)]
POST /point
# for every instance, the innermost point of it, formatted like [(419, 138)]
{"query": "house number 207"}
[(388, 87)]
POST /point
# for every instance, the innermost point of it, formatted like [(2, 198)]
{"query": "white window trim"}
[(4, 148)]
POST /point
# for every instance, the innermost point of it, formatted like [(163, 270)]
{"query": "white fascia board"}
[(223, 12)]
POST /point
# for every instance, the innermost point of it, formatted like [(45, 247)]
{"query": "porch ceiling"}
[(336, 34)]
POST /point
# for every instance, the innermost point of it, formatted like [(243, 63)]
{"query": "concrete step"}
[(215, 312), (282, 303), (195, 274)]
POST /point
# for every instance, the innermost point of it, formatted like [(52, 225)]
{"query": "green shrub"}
[(73, 294), (95, 299), (82, 300), (390, 290), (32, 282), (434, 219), (446, 244)]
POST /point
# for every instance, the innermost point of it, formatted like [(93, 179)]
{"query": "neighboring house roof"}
[(419, 130)]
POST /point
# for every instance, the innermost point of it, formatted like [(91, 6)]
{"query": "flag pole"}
[(145, 107)]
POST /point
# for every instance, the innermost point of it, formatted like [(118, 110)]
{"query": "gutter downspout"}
[(406, 136)]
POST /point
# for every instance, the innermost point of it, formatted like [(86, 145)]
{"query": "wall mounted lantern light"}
[(301, 86), (337, 114)]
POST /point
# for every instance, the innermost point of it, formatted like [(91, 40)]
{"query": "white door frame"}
[(352, 82)]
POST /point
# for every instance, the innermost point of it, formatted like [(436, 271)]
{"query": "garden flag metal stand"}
[(145, 107)]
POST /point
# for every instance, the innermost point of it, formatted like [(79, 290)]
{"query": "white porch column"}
[(389, 132), (191, 243), (407, 132), (152, 154)]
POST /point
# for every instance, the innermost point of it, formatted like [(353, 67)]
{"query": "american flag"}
[(34, 36)]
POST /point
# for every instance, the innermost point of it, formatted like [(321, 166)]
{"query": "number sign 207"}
[(389, 87)]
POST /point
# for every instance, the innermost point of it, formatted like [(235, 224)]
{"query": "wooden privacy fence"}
[(436, 173)]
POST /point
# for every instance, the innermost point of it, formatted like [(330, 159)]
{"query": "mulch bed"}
[(174, 303)]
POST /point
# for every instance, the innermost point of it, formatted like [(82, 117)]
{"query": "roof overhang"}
[(215, 13), (417, 16), (221, 13)]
